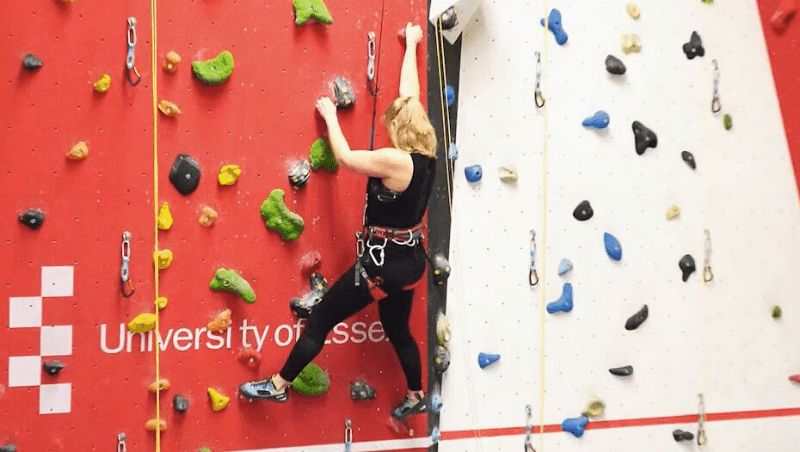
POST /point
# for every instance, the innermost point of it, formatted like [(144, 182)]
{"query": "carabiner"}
[(716, 106), (126, 284), (528, 424), (539, 98), (132, 73), (533, 276), (348, 435), (707, 274), (701, 416)]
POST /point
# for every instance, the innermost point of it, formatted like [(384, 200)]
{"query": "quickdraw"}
[(132, 74), (538, 90), (348, 435), (533, 276), (121, 443), (126, 283), (708, 275), (701, 417), (528, 425), (716, 106)]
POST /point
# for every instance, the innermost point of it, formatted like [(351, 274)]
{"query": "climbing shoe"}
[(408, 407), (264, 389)]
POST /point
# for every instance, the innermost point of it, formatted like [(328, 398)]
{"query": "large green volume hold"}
[(279, 218), (215, 70), (312, 380), (311, 9)]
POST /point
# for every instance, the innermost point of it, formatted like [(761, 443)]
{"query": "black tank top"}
[(401, 210)]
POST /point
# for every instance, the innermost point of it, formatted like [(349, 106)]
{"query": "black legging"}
[(403, 265)]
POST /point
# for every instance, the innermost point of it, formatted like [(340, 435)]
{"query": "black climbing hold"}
[(298, 176), (449, 19), (694, 47), (583, 212), (441, 360), (180, 403), (614, 65), (52, 367), (637, 319), (343, 93), (689, 159), (687, 266), (681, 435), (360, 390), (302, 307), (645, 138), (8, 448), (32, 218), (441, 269), (622, 371), (31, 62), (185, 174)]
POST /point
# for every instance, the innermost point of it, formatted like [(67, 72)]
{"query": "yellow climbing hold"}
[(164, 217), (142, 323), (631, 43), (221, 322), (102, 84), (79, 151), (162, 258), (218, 401), (673, 212), (633, 10), (168, 108), (160, 385), (154, 424), (161, 302), (228, 174), (207, 216)]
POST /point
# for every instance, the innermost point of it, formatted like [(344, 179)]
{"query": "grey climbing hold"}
[(298, 176), (52, 367), (564, 266), (185, 174), (32, 218), (302, 307), (8, 448), (637, 319), (180, 403), (449, 18), (689, 159), (343, 93), (694, 47), (687, 266), (360, 390), (615, 66), (452, 154), (624, 371), (436, 403), (680, 435), (31, 62), (613, 247), (441, 269), (583, 211), (441, 360), (644, 137)]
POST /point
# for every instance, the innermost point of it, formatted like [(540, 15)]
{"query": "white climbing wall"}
[(717, 338)]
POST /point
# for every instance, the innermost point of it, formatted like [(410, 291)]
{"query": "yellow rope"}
[(442, 73), (153, 66), (543, 234)]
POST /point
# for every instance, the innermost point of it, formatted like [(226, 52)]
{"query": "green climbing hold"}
[(727, 122), (231, 281), (321, 155), (205, 449), (279, 218), (776, 312), (312, 380), (311, 9), (215, 70)]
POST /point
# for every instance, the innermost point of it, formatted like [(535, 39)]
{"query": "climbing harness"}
[(701, 417), (707, 274), (716, 106), (132, 74), (533, 277), (404, 237), (371, 64), (121, 442), (348, 435), (126, 284), (528, 425), (538, 91)]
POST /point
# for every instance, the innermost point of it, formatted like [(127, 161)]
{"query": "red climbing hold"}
[(794, 378), (250, 357), (783, 15)]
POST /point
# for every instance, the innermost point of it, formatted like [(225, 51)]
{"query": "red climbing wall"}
[(262, 119)]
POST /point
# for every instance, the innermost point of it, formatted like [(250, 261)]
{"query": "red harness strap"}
[(377, 292)]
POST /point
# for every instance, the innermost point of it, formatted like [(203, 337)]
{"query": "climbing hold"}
[(279, 218), (228, 174), (162, 259), (313, 9), (689, 159), (442, 329), (171, 61), (142, 323), (614, 65), (159, 385), (8, 448), (564, 266), (680, 435), (78, 151), (52, 367), (727, 122), (185, 174), (441, 269), (637, 319), (230, 281), (633, 10), (436, 403), (694, 47), (102, 84), (613, 247), (299, 174), (631, 43), (249, 357), (304, 306), (312, 380), (321, 155), (783, 15), (473, 173), (575, 425), (564, 303), (441, 360), (644, 138), (168, 108), (310, 262), (343, 93), (452, 153), (583, 211), (686, 264), (487, 359), (32, 218), (507, 175), (450, 95), (215, 70), (164, 217), (776, 312), (161, 302), (360, 390), (598, 121), (180, 403), (673, 211), (624, 371), (794, 378), (207, 216), (31, 62), (221, 322), (554, 25), (449, 19), (595, 408), (218, 401), (204, 449), (156, 424)]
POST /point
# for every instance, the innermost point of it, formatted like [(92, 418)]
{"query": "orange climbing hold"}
[(154, 424), (168, 108), (207, 216), (79, 151), (171, 61), (221, 322), (160, 385)]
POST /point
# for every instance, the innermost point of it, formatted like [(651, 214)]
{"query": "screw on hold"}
[(539, 97), (624, 371), (643, 137), (614, 65), (448, 18), (694, 47), (533, 276), (637, 319), (708, 275), (32, 218), (31, 62), (52, 367), (716, 106), (583, 211), (681, 435)]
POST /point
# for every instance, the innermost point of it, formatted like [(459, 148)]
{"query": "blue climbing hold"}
[(487, 359), (554, 25), (436, 403), (473, 173), (575, 425), (613, 248), (564, 266), (450, 94), (563, 304), (452, 154), (599, 120), (435, 435)]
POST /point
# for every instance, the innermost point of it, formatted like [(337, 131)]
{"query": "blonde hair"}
[(409, 127)]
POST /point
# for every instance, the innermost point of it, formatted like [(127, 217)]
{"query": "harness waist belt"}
[(404, 234)]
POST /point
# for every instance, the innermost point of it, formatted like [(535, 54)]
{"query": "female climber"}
[(391, 259)]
